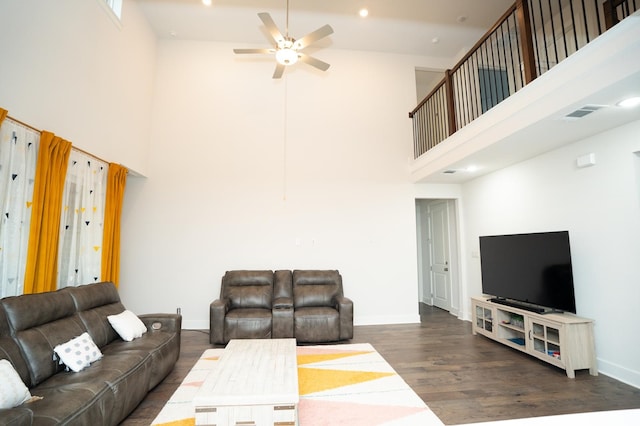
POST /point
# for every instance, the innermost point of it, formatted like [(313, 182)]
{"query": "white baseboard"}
[(365, 320), (619, 373), (195, 324), (386, 319)]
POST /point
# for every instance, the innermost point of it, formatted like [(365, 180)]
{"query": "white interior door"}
[(440, 265)]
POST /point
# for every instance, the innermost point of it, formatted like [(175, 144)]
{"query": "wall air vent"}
[(449, 172), (581, 112)]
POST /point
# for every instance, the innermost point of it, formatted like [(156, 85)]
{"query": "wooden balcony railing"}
[(528, 40)]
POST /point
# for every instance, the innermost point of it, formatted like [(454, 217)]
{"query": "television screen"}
[(531, 268)]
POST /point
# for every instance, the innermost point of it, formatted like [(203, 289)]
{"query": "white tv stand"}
[(561, 339)]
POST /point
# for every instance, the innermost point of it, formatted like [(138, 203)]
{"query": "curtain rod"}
[(72, 147)]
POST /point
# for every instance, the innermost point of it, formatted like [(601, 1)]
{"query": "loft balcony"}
[(548, 73)]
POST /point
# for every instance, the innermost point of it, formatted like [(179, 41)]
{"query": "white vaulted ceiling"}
[(398, 26)]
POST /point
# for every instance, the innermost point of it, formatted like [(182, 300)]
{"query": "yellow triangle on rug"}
[(183, 422), (320, 357), (312, 380)]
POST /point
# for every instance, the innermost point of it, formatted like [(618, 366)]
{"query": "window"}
[(115, 6), (18, 157), (81, 221)]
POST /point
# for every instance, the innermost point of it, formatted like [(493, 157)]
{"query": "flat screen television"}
[(532, 271)]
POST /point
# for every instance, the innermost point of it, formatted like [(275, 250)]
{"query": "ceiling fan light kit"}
[(288, 50), (286, 56)]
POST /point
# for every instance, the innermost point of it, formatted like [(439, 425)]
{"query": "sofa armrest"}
[(166, 322), (217, 310), (345, 308), (282, 314), (283, 303)]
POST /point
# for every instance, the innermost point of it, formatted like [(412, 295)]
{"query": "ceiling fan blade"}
[(271, 27), (263, 51), (321, 65), (279, 70), (314, 36)]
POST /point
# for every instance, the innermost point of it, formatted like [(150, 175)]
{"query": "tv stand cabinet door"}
[(545, 340), (483, 318)]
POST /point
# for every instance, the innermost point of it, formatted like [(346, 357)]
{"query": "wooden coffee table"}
[(255, 382)]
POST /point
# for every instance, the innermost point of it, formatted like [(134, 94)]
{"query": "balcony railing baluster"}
[(528, 40)]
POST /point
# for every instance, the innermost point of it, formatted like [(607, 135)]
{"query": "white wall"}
[(600, 207), (69, 69), (235, 182)]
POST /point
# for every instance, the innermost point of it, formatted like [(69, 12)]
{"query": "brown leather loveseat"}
[(306, 304), (107, 390)]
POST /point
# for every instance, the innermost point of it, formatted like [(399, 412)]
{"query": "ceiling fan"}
[(287, 49)]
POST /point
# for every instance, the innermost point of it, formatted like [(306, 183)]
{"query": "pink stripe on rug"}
[(330, 413), (194, 384)]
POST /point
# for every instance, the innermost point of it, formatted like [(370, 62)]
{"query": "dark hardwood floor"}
[(461, 377)]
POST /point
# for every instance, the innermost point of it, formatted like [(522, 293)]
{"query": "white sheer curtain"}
[(18, 155), (82, 219)]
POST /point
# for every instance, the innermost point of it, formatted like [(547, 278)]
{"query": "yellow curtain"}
[(42, 258), (3, 114), (116, 182)]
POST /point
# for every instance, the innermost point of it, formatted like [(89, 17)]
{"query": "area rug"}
[(347, 384)]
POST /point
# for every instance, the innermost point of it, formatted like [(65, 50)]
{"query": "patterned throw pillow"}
[(78, 352), (127, 325), (13, 392)]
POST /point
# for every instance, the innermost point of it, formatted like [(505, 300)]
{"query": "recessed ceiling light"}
[(206, 2), (471, 169), (363, 13), (461, 19), (629, 102)]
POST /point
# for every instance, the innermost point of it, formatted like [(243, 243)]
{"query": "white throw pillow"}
[(127, 325), (13, 392), (79, 352)]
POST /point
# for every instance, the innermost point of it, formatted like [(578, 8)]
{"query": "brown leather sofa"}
[(106, 391), (306, 304)]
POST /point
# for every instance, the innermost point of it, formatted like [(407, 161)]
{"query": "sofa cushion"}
[(317, 324), (248, 289), (158, 346), (248, 324), (81, 398), (52, 306), (38, 331), (127, 325), (78, 353), (94, 303), (17, 416), (13, 391), (316, 288), (9, 349), (316, 295)]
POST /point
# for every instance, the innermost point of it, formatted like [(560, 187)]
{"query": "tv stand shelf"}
[(561, 339)]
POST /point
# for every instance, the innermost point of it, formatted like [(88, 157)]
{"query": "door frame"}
[(425, 286)]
